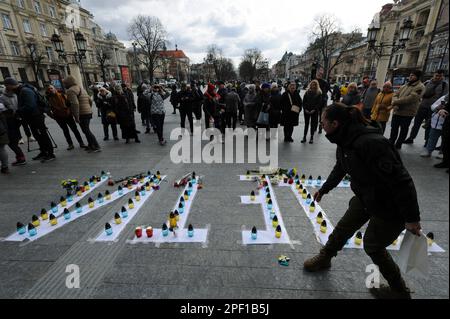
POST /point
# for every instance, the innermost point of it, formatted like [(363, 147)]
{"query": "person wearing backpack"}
[(81, 106), (31, 107), (61, 113)]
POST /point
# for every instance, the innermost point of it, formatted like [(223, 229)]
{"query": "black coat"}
[(275, 110), (351, 98), (378, 177), (187, 100), (312, 101), (288, 117)]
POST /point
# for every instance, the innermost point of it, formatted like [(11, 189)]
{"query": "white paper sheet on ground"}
[(267, 236), (45, 227), (247, 200), (314, 184), (249, 178), (117, 229), (200, 235)]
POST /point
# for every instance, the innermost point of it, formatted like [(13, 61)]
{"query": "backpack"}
[(42, 103), (61, 111)]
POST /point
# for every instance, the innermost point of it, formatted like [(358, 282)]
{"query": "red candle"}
[(149, 232), (138, 232)]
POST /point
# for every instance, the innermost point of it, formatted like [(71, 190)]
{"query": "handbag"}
[(263, 119), (294, 108), (111, 117)]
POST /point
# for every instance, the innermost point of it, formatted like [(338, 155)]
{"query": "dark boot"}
[(322, 261), (388, 268)]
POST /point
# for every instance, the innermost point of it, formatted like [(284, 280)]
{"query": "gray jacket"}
[(433, 92), (232, 102)]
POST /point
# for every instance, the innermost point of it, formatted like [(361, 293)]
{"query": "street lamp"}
[(136, 64), (405, 34), (81, 46)]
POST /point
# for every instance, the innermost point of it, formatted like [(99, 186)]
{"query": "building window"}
[(49, 51), (52, 11), (26, 26), (43, 29), (21, 4), (15, 49), (6, 21), (37, 7), (400, 59)]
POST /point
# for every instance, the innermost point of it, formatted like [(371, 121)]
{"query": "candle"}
[(100, 198), (278, 232), (78, 208), (117, 219), (44, 214), (66, 214), (149, 232), (312, 207), (107, 195), (108, 229), (120, 190), (31, 230), (21, 228), (54, 208), (275, 221), (130, 204), (190, 231), (319, 218), (165, 230), (172, 221), (252, 196), (137, 196), (254, 233), (35, 221), (138, 232), (323, 226), (430, 239), (91, 202), (358, 238), (53, 220)]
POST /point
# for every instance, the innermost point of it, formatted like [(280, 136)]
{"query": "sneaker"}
[(71, 147), (19, 162), (425, 154), (5, 170), (322, 261), (48, 158), (408, 141), (39, 157), (303, 141), (21, 141), (311, 141)]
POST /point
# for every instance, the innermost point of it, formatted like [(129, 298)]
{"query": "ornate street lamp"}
[(80, 42), (405, 34)]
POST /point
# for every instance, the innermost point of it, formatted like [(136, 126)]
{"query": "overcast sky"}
[(274, 26)]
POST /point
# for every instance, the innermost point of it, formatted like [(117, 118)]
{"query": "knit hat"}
[(265, 86), (11, 81)]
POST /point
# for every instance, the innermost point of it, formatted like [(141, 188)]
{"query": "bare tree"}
[(329, 40), (150, 36), (222, 66), (253, 65), (36, 56), (103, 55)]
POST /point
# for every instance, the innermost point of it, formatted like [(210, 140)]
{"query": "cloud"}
[(234, 25)]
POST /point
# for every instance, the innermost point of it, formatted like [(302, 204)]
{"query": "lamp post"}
[(372, 34), (79, 55), (136, 64)]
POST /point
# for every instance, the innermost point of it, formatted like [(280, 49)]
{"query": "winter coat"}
[(437, 121), (232, 102), (378, 177), (288, 117), (250, 110), (406, 100), (275, 109), (311, 101), (381, 110), (433, 92), (369, 97), (157, 102), (78, 100), (351, 98), (58, 106), (104, 104), (210, 102), (186, 99), (3, 127), (130, 97), (124, 110), (27, 102)]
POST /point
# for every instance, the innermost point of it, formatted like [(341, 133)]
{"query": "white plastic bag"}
[(413, 256)]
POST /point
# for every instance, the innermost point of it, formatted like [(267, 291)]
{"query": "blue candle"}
[(108, 229), (31, 230), (21, 229), (190, 231), (78, 208), (165, 230), (66, 214)]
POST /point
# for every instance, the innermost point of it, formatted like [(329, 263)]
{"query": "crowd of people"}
[(220, 105)]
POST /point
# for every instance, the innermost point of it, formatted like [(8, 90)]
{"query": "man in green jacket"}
[(406, 103)]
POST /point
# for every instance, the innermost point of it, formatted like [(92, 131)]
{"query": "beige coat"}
[(79, 101), (406, 101)]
